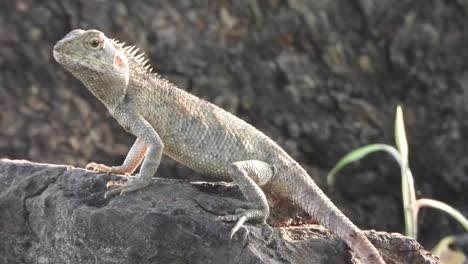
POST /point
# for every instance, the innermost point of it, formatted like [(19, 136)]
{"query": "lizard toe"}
[(238, 225), (250, 214), (98, 167), (241, 217), (240, 211), (131, 186), (114, 184), (228, 218), (270, 232), (113, 192), (244, 235)]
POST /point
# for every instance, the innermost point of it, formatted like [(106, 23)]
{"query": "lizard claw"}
[(240, 218), (131, 186), (113, 184), (270, 234), (106, 169), (99, 167)]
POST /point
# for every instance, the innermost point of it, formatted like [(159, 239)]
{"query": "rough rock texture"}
[(319, 77), (57, 214)]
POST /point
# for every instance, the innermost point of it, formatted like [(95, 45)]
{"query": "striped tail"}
[(311, 199)]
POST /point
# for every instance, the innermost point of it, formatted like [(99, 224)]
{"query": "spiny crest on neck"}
[(133, 56), (138, 59)]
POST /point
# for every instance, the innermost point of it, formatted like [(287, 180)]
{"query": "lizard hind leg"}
[(249, 176)]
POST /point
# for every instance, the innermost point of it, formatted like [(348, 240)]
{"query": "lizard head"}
[(99, 62)]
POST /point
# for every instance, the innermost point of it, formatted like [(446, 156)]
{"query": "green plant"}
[(411, 205)]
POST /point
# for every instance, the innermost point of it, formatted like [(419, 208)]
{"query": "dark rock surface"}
[(320, 77), (57, 214)]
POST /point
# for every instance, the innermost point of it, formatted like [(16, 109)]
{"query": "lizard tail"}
[(310, 198)]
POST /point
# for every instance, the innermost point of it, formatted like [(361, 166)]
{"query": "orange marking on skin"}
[(119, 61)]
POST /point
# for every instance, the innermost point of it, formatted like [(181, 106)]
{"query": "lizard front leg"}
[(141, 128), (132, 161), (249, 175)]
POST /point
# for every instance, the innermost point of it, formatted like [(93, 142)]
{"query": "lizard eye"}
[(94, 43)]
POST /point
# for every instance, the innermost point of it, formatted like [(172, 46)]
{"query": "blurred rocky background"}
[(320, 77)]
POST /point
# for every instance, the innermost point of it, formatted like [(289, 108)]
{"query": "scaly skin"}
[(195, 133)]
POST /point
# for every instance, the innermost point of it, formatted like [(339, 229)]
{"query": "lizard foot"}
[(105, 169), (98, 167), (270, 233), (240, 217), (115, 184), (131, 186)]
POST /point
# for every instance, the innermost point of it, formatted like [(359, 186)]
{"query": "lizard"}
[(196, 133)]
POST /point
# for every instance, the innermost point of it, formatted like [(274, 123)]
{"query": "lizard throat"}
[(108, 88)]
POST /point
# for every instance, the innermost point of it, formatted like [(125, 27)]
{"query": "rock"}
[(57, 214)]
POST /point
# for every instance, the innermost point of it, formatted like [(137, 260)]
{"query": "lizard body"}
[(196, 133)]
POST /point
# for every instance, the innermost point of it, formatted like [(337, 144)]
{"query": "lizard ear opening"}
[(119, 61)]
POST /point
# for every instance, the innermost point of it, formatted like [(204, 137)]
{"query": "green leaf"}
[(400, 135), (443, 244), (407, 181), (425, 202), (409, 200), (358, 154)]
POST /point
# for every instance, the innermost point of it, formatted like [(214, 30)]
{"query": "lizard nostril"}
[(58, 46)]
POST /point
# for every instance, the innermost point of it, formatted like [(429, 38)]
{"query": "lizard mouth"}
[(58, 57), (65, 60), (71, 60)]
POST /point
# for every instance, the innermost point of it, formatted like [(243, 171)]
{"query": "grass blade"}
[(407, 181), (400, 135), (358, 154), (444, 208)]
